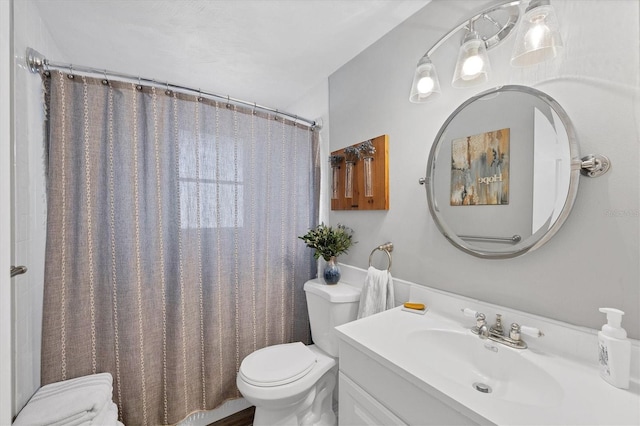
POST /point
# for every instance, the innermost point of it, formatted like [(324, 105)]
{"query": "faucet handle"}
[(531, 331), (479, 316), (516, 330), (481, 319), (514, 333), (469, 312)]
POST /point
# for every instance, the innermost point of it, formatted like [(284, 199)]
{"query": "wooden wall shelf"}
[(379, 199)]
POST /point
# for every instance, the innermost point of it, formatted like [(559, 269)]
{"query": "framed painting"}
[(480, 169)]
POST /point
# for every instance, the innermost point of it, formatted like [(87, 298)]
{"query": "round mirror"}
[(503, 172)]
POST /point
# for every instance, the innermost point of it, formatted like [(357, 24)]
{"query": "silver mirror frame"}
[(525, 245)]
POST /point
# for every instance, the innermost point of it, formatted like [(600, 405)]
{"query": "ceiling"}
[(267, 51)]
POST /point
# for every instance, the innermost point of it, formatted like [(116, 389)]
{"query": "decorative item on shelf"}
[(335, 161), (352, 154), (331, 273), (368, 177), (538, 40), (329, 243), (348, 179), (367, 149), (365, 176)]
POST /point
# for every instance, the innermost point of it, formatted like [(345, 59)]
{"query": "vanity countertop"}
[(531, 386)]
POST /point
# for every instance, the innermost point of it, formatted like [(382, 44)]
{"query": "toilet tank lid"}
[(334, 293)]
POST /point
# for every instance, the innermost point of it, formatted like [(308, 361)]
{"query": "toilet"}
[(292, 384)]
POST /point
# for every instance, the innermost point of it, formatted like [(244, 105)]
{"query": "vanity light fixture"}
[(538, 40), (473, 65), (425, 81), (538, 37)]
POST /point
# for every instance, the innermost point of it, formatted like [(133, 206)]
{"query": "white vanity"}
[(400, 367)]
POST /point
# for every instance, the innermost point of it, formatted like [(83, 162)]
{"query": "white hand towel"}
[(70, 402), (377, 293)]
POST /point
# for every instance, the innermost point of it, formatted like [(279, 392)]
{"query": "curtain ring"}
[(254, 109), (105, 81), (70, 76), (167, 92), (139, 86), (275, 117), (228, 103), (45, 65), (295, 121)]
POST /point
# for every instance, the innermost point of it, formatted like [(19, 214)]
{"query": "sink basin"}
[(488, 367), (422, 368)]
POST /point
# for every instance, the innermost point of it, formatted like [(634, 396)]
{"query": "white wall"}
[(29, 209), (6, 373), (593, 260)]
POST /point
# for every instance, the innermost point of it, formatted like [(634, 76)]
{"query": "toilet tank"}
[(330, 306)]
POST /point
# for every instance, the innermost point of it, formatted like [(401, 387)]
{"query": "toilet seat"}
[(277, 365)]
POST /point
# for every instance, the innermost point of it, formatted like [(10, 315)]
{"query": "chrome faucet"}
[(496, 331), (497, 327)]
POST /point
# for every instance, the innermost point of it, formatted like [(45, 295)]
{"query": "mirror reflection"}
[(503, 172)]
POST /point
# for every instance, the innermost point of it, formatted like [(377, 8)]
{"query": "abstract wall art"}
[(480, 169)]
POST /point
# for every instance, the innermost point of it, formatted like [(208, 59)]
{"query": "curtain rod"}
[(36, 62)]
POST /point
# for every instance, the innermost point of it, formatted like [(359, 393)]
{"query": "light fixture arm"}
[(493, 21), (492, 41)]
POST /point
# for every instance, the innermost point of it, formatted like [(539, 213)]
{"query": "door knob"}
[(18, 270)]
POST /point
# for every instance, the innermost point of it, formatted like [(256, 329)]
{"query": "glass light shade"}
[(473, 66), (425, 81), (538, 36)]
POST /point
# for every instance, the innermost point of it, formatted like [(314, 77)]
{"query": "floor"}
[(242, 418)]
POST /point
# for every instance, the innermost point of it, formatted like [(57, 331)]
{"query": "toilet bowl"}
[(293, 384)]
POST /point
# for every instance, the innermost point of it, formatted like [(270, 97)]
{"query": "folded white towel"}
[(107, 416), (377, 293), (69, 403)]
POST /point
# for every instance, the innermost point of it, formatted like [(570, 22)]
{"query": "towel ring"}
[(387, 248)]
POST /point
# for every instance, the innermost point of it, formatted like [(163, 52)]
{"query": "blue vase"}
[(331, 271)]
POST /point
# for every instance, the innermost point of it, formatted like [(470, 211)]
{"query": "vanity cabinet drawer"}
[(358, 408), (404, 399)]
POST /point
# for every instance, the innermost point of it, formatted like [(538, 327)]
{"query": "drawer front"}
[(358, 408)]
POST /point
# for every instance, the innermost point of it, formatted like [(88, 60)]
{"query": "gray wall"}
[(593, 260)]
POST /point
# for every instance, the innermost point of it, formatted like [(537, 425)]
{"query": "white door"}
[(5, 213)]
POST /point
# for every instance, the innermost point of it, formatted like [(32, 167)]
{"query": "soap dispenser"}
[(614, 350)]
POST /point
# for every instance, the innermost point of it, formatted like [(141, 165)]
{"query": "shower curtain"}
[(172, 248)]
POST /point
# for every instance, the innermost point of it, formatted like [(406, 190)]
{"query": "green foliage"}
[(327, 241)]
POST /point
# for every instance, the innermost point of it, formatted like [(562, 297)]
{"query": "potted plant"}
[(329, 243)]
